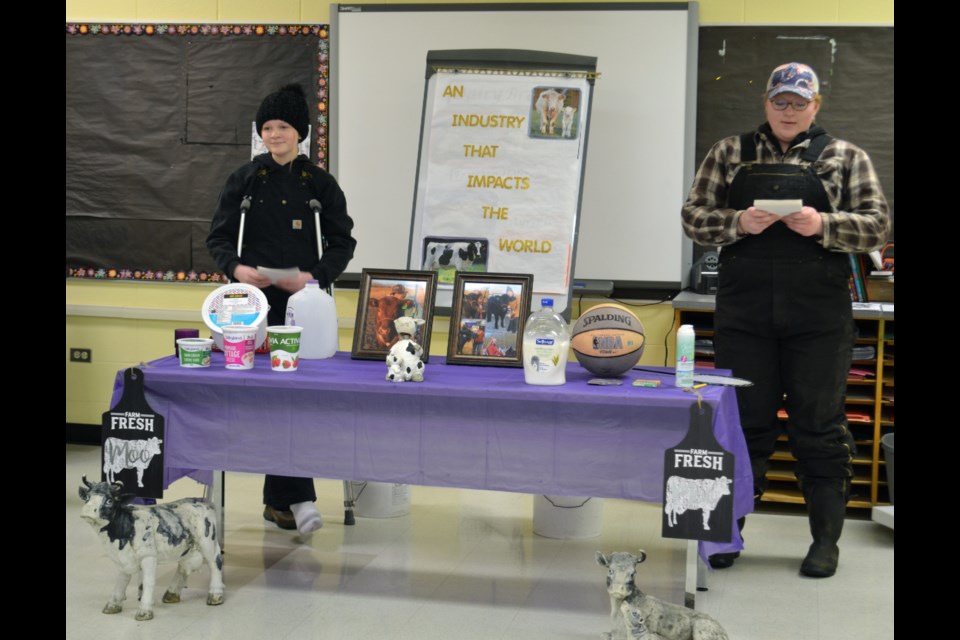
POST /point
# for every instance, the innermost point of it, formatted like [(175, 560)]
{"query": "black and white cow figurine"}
[(138, 538), (636, 624), (404, 360), (633, 614)]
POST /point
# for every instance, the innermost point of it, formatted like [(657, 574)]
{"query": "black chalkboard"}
[(155, 122), (854, 64)]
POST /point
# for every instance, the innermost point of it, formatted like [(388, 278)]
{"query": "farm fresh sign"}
[(503, 162), (132, 435), (698, 483)]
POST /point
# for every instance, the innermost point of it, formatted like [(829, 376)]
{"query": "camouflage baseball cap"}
[(793, 77)]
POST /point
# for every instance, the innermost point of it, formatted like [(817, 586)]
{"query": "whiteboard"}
[(641, 156)]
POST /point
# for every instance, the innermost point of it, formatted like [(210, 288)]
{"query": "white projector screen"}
[(640, 157)]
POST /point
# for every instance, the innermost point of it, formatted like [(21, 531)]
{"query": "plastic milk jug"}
[(685, 340), (314, 309), (546, 346)]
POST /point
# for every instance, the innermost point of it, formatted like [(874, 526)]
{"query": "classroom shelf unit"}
[(870, 399)]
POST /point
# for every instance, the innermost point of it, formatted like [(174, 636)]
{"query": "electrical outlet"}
[(80, 355)]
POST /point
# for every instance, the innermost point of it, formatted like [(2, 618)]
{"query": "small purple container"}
[(183, 333)]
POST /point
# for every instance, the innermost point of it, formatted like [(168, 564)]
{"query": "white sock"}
[(307, 517)]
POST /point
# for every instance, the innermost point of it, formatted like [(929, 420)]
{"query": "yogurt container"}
[(194, 352), (284, 347), (239, 344)]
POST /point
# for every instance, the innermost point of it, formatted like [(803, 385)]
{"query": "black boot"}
[(827, 506), (725, 560)]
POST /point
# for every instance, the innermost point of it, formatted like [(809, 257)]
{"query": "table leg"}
[(349, 500), (694, 574), (215, 494)]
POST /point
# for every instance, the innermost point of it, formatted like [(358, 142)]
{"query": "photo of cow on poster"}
[(554, 113), (448, 255), (386, 296)]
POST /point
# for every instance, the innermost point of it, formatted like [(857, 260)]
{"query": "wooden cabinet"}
[(870, 399)]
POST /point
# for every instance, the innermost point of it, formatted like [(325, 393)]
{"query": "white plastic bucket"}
[(567, 517), (380, 499), (234, 304)]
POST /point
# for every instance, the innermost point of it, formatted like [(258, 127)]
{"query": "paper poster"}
[(503, 165)]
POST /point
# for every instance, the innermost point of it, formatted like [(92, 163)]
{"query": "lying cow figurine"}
[(137, 538), (403, 361), (635, 615), (636, 624)]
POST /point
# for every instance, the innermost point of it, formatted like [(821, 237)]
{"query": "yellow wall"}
[(123, 331), (119, 342), (318, 11)]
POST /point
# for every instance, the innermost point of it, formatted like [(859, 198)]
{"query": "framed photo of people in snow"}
[(385, 296), (487, 319)]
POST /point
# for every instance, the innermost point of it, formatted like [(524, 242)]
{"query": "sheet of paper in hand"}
[(779, 207)]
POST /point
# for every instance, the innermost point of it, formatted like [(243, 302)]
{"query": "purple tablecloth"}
[(465, 426)]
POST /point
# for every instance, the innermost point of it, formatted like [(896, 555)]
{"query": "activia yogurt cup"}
[(195, 352), (239, 346), (284, 347)]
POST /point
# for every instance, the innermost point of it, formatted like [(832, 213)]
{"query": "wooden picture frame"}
[(384, 296), (487, 319)]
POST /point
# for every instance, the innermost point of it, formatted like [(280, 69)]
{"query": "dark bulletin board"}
[(855, 67), (157, 117)]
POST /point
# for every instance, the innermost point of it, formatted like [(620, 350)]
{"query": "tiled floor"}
[(466, 565)]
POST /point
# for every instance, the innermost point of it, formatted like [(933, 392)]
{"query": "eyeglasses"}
[(781, 105)]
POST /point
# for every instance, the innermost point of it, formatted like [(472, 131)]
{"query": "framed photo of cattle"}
[(386, 295), (489, 313)]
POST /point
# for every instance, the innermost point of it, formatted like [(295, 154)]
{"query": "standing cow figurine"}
[(403, 361), (637, 616), (137, 538)]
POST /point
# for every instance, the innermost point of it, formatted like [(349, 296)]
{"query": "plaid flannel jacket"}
[(859, 222)]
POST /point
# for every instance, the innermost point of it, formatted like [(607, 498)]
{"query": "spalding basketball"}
[(608, 340)]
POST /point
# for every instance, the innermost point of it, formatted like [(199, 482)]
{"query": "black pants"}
[(280, 492), (787, 325)]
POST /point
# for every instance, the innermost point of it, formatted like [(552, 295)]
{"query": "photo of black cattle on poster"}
[(384, 297), (489, 313), (447, 256)]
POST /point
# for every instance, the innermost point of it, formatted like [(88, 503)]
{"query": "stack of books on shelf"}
[(871, 277)]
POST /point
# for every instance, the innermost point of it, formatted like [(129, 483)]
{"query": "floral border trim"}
[(152, 29), (158, 275), (320, 31)]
